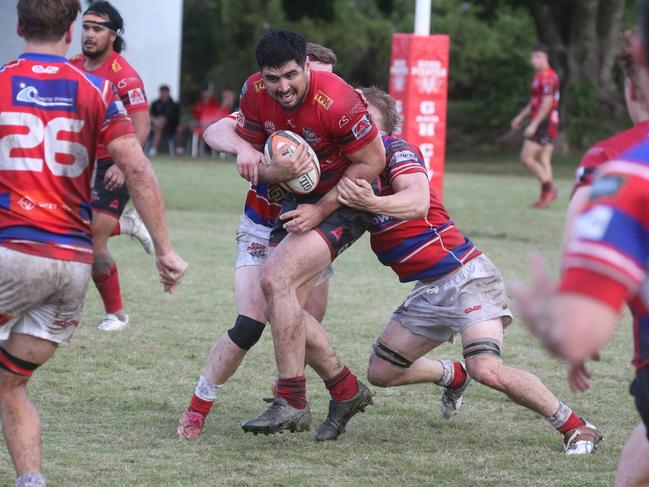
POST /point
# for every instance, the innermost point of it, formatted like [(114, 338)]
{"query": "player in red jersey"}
[(604, 264), (612, 147), (52, 117), (261, 209), (458, 291), (543, 129), (102, 42), (311, 230)]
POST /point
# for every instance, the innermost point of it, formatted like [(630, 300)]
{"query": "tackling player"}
[(542, 131), (101, 43), (605, 265), (458, 291), (312, 230), (52, 117), (262, 207)]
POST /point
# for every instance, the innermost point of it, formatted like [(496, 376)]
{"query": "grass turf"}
[(110, 402)]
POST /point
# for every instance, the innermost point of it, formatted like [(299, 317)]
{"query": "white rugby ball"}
[(287, 142)]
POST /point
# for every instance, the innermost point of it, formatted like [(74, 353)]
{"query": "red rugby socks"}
[(343, 386), (293, 390), (565, 420), (459, 376), (108, 286), (117, 230)]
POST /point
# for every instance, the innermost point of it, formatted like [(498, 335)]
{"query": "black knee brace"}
[(390, 356), (15, 365), (246, 332), (481, 347)]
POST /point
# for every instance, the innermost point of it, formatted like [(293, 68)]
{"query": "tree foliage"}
[(490, 42)]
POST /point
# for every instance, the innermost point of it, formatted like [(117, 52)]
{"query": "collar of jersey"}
[(35, 56)]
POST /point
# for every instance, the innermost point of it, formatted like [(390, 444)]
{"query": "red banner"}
[(419, 84)]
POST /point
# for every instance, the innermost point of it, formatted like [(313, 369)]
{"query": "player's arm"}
[(251, 163), (411, 198), (147, 198), (142, 124), (523, 114), (366, 163)]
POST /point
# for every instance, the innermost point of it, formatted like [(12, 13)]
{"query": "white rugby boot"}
[(112, 322), (133, 225), (582, 440), (452, 399)]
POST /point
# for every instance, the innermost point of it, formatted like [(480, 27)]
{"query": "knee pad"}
[(481, 347), (246, 332), (382, 351), (15, 365)]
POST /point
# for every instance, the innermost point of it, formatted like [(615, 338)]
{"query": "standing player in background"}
[(262, 207), (102, 42), (312, 230), (458, 291), (542, 131), (53, 116)]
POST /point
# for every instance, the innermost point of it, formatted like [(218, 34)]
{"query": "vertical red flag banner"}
[(419, 84)]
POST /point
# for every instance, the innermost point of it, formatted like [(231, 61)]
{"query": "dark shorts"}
[(640, 390), (103, 200), (339, 230), (544, 134)]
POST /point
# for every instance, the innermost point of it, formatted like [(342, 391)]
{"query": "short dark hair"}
[(540, 47), (321, 54), (46, 20), (386, 105), (115, 21), (164, 88), (279, 46)]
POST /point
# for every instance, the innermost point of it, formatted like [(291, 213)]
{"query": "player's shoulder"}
[(398, 151), (77, 59), (254, 85)]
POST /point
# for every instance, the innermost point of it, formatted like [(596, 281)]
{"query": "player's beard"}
[(95, 53)]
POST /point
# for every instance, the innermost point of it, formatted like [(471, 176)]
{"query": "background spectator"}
[(165, 117)]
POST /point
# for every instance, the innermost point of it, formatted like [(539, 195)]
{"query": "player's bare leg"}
[(21, 424), (482, 344), (398, 359), (531, 158), (549, 192), (105, 274), (633, 469)]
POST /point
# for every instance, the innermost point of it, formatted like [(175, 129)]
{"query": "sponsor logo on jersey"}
[(337, 233), (362, 127), (471, 309), (136, 96), (310, 136), (115, 66), (39, 69), (344, 120), (244, 89), (241, 119), (51, 94), (275, 193), (26, 203), (359, 107), (606, 186), (122, 84), (593, 224), (259, 85), (269, 126), (323, 100), (401, 156)]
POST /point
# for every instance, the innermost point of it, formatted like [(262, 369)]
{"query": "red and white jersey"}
[(546, 82), (420, 249), (52, 116), (128, 83), (607, 150), (333, 119), (608, 257)]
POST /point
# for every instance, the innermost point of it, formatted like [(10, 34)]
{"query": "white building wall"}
[(153, 34)]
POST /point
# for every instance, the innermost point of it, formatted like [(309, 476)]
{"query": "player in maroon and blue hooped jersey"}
[(458, 291), (52, 117)]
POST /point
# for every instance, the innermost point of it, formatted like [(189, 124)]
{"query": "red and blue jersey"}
[(425, 248), (608, 257), (52, 117), (264, 203)]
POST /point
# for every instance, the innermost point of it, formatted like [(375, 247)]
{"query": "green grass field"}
[(110, 402)]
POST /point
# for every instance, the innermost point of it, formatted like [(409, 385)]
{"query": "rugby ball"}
[(287, 142)]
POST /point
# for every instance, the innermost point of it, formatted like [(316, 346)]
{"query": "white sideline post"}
[(422, 17)]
